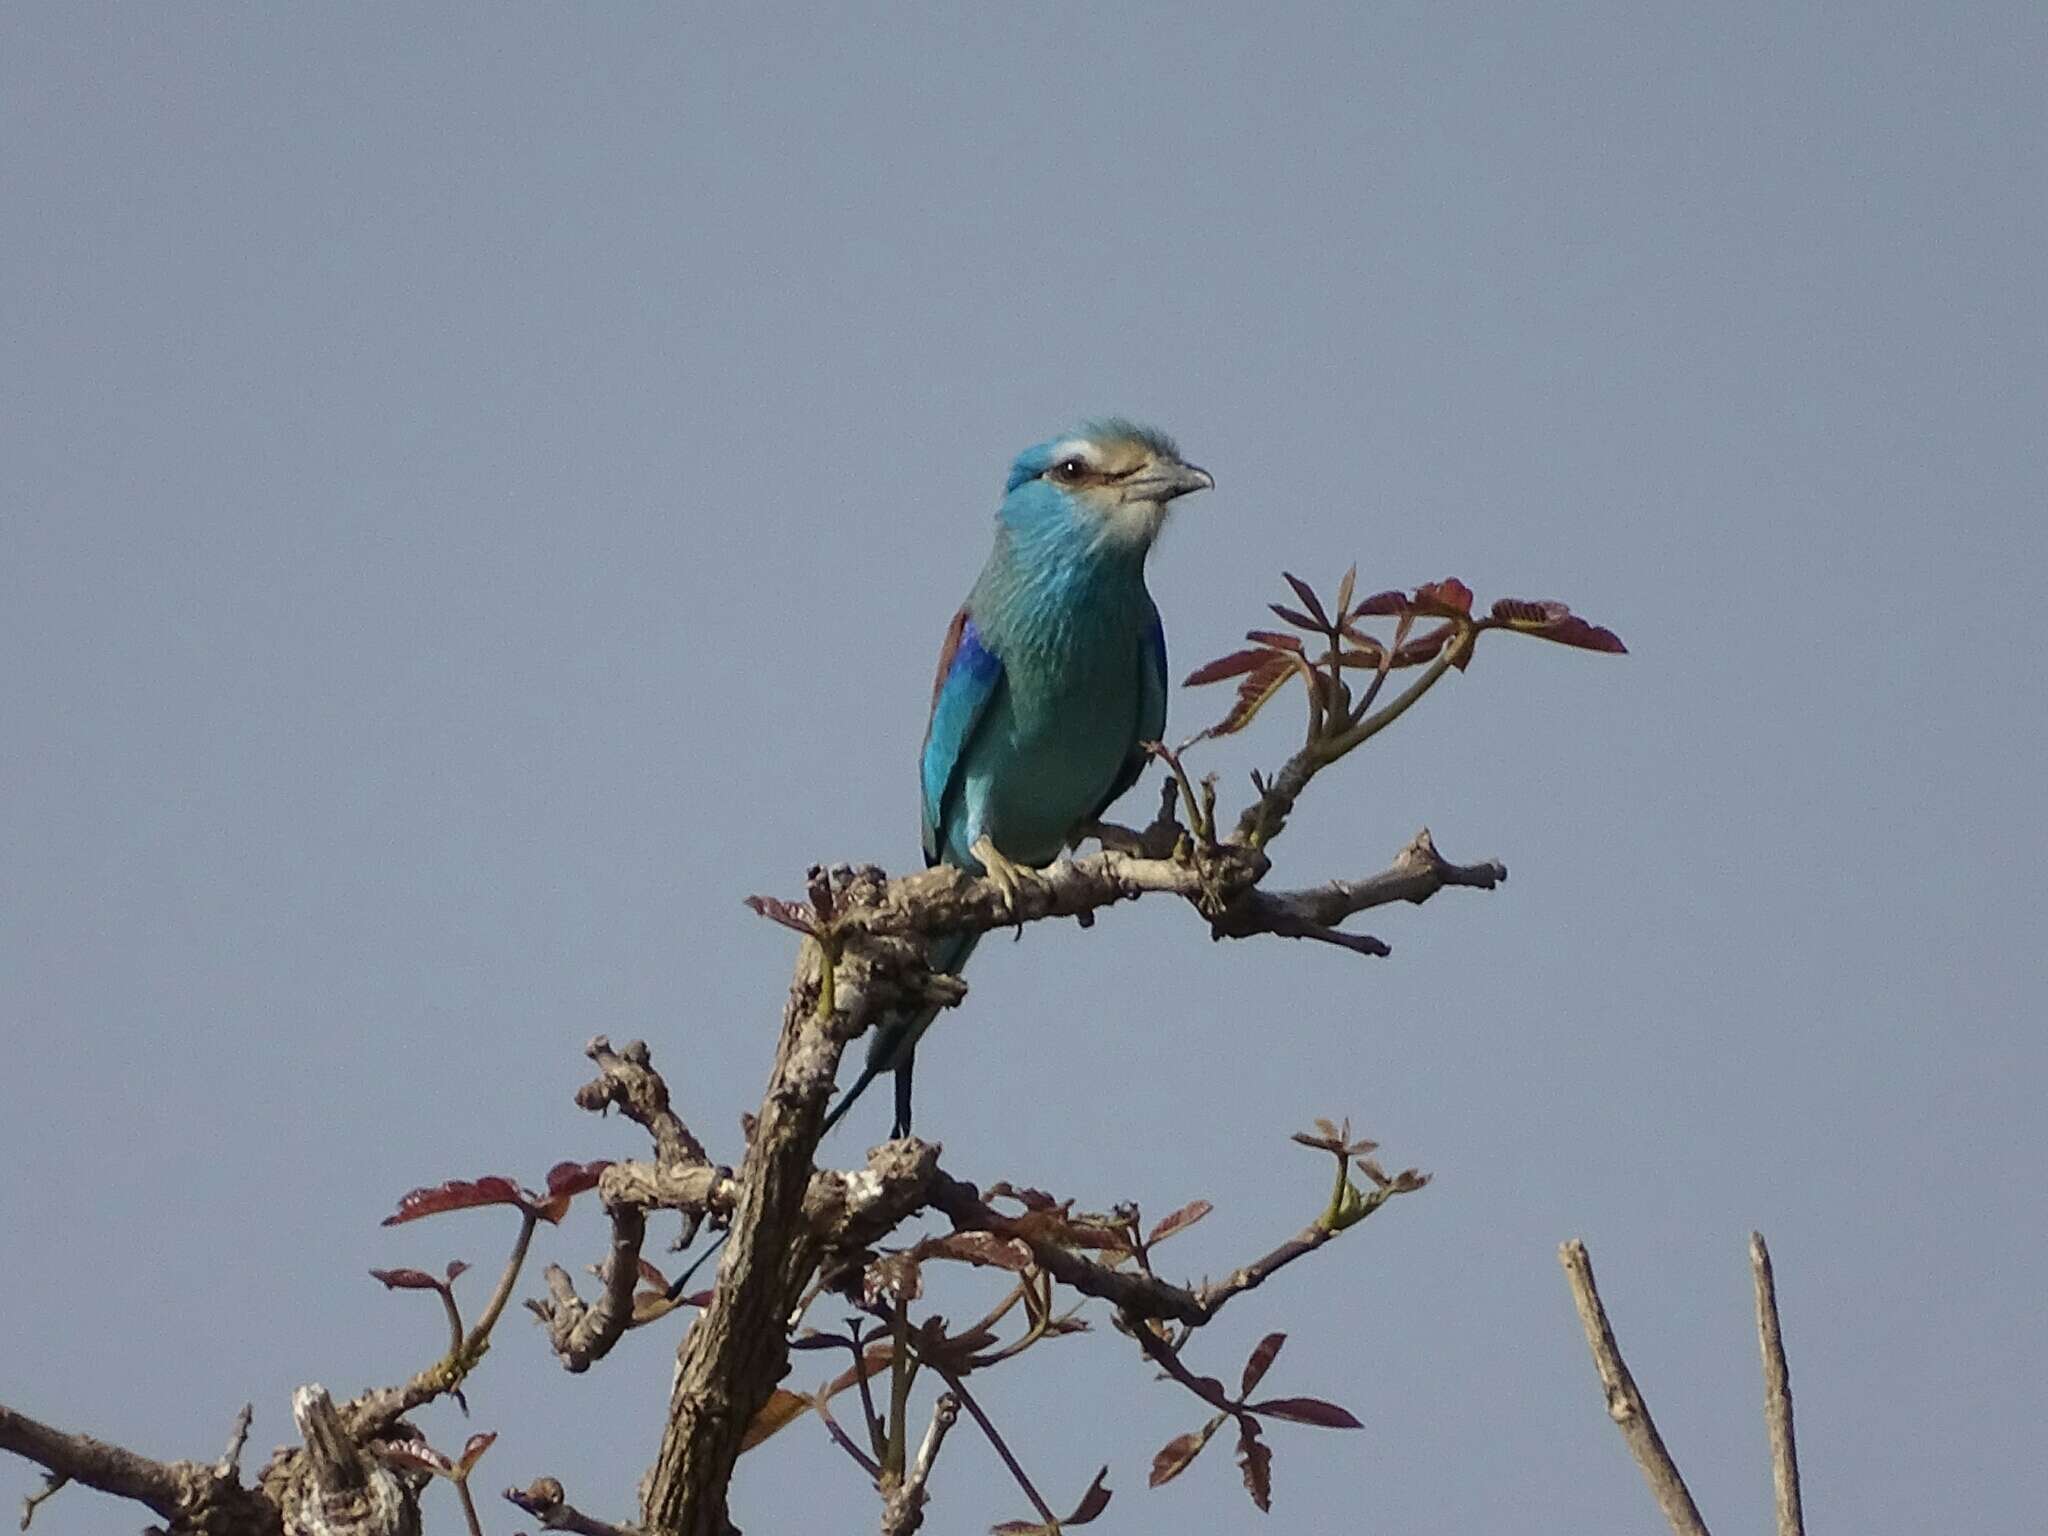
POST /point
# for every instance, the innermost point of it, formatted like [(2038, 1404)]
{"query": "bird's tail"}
[(893, 1045)]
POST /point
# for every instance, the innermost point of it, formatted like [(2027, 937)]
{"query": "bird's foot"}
[(1005, 874)]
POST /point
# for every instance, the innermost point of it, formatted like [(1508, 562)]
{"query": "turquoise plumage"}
[(1052, 675)]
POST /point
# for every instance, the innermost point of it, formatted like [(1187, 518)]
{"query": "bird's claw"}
[(1005, 874)]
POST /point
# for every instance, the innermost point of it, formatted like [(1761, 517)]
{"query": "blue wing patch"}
[(969, 675)]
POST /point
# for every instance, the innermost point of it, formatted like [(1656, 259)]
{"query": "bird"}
[(1051, 682)]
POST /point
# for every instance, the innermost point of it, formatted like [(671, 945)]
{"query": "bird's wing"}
[(970, 674), (1151, 722)]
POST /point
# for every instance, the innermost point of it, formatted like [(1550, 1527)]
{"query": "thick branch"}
[(627, 1079), (738, 1349), (583, 1335), (1625, 1404), (1777, 1393)]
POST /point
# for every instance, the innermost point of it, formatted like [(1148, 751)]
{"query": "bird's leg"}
[(1005, 874), (1114, 839)]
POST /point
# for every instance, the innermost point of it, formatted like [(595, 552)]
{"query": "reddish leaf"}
[(1255, 1459), (1260, 1362), (565, 1182), (1233, 665), (1295, 617), (1309, 600), (575, 1178), (1093, 1502), (1273, 639), (1177, 1453), (415, 1453), (1306, 1410), (1022, 1528), (456, 1269), (407, 1279), (790, 914), (1529, 611), (1382, 605), (1175, 1221), (1030, 1199), (653, 1276), (456, 1195), (873, 1361), (1446, 599), (984, 1248), (1255, 690), (1574, 630), (1555, 622), (473, 1452)]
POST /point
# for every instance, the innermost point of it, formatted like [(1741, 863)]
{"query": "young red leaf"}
[(1446, 599), (456, 1269), (417, 1454), (456, 1195), (1273, 639), (1307, 594), (788, 913), (653, 1276), (1382, 605), (1233, 665), (1531, 612), (473, 1452), (1177, 1453), (1260, 1362), (1573, 630), (1023, 1528), (1258, 686), (1255, 1459), (1176, 1221), (1295, 617), (1306, 1410), (406, 1279), (1030, 1199), (565, 1182), (1093, 1502), (983, 1248)]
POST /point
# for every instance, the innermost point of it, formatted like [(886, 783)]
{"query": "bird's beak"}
[(1166, 479)]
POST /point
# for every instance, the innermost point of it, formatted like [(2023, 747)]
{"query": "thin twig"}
[(230, 1463), (1777, 1393), (54, 1483), (1625, 1404), (480, 1335), (544, 1500), (476, 1526), (868, 1464), (967, 1401)]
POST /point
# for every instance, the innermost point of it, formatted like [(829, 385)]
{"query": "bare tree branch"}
[(1777, 1393), (582, 1335), (165, 1487), (1625, 1404), (903, 1510)]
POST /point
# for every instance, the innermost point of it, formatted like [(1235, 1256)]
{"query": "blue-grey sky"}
[(481, 493)]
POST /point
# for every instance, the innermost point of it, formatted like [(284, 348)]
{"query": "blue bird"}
[(1052, 674)]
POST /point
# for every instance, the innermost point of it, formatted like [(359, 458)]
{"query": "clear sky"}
[(480, 493)]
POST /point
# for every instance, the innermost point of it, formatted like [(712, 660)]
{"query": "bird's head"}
[(1110, 480)]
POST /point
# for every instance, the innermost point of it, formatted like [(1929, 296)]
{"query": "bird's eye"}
[(1070, 469)]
